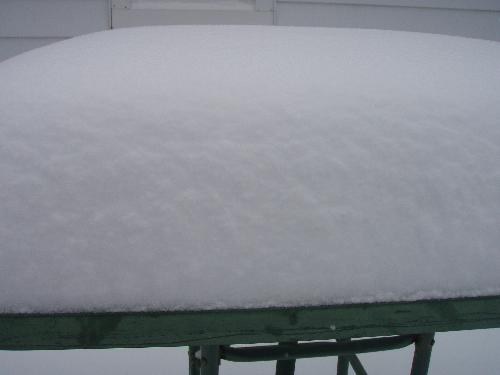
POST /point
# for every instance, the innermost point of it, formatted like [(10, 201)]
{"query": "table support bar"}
[(422, 355), (314, 349), (205, 360)]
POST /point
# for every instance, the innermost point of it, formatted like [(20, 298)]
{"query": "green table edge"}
[(244, 326)]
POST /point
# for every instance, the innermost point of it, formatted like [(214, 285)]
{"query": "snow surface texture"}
[(171, 168)]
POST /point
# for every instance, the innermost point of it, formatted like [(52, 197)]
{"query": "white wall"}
[(128, 13), (471, 18), (26, 24)]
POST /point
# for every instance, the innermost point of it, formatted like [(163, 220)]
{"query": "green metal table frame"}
[(210, 334), (205, 360)]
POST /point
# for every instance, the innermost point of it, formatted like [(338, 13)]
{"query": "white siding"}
[(472, 18), (128, 13), (13, 46), (435, 4), (26, 24)]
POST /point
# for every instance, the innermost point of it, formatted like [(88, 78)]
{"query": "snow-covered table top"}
[(188, 168)]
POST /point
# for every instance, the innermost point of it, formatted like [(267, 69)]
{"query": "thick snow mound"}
[(225, 167)]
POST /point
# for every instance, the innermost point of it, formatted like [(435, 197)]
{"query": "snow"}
[(212, 167)]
